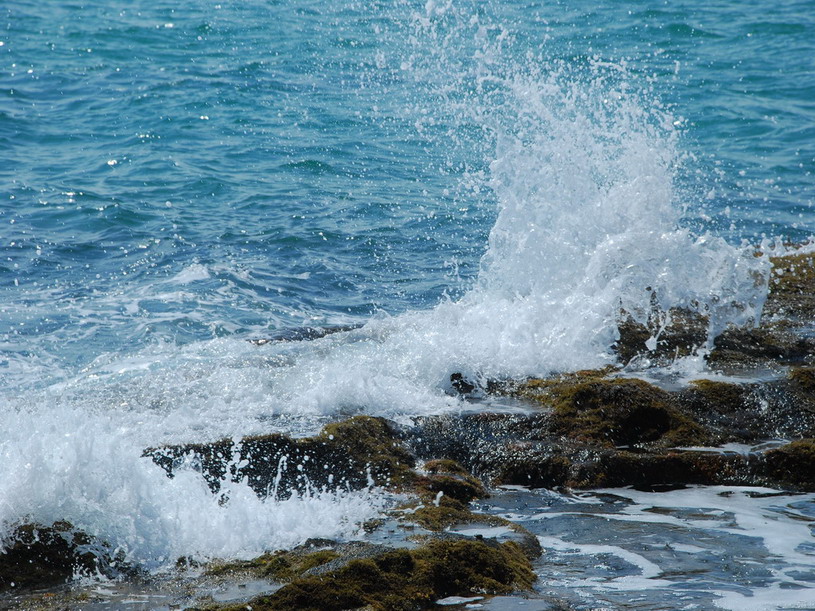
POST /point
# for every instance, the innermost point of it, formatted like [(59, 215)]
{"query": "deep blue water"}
[(486, 183)]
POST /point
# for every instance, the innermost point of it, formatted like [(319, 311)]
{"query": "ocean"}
[(473, 187)]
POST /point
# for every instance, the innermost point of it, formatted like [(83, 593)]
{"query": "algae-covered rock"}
[(595, 431), (648, 470), (614, 411), (804, 380), (402, 579), (772, 342), (542, 468), (281, 565), (753, 412), (793, 464), (373, 445), (37, 556), (728, 409), (349, 455)]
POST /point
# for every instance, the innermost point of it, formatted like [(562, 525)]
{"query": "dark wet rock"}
[(727, 410), (785, 333), (772, 342), (37, 556), (349, 455), (460, 384), (407, 579), (587, 429), (451, 480), (531, 459), (753, 412), (597, 431)]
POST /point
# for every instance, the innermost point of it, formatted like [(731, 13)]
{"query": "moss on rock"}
[(449, 479), (374, 445), (280, 565), (803, 378)]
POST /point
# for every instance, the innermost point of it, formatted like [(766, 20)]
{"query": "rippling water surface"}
[(475, 187)]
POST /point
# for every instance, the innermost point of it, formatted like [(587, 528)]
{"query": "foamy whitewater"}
[(481, 188)]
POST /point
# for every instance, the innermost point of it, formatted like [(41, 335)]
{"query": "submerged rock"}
[(304, 334)]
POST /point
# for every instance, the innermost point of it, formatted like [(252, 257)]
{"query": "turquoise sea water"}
[(483, 184), (312, 160)]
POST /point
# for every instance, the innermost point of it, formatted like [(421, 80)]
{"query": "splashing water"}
[(582, 169)]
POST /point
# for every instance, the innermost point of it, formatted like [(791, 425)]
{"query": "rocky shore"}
[(751, 422)]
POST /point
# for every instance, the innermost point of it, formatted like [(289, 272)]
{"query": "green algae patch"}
[(447, 478), (406, 580), (722, 396), (438, 515), (444, 495), (793, 464), (614, 412)]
